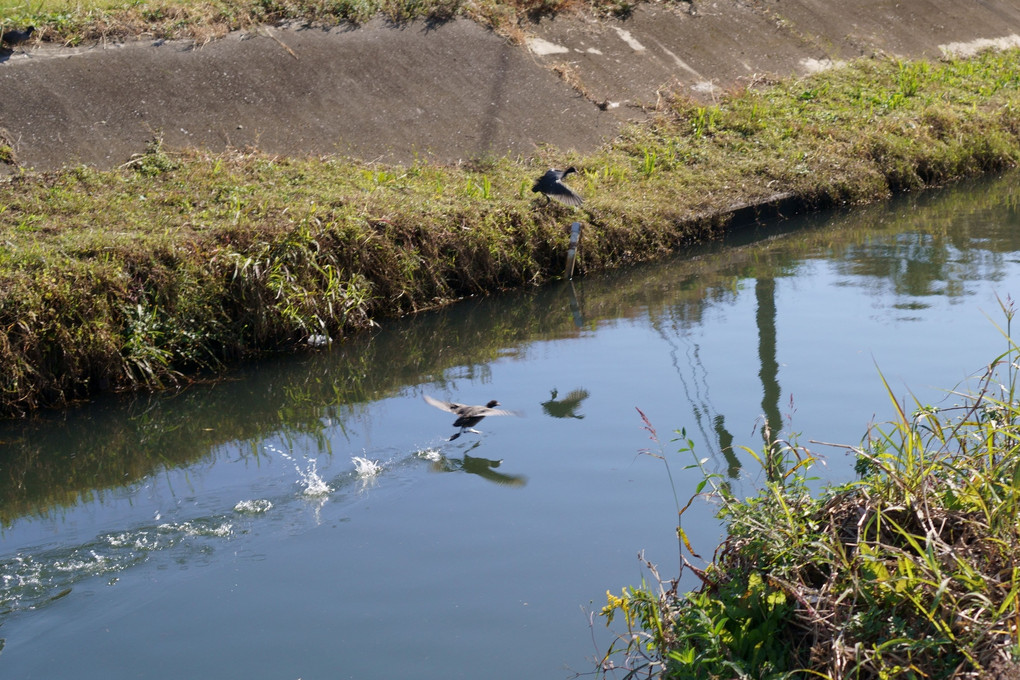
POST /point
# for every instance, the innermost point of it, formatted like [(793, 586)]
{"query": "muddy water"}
[(309, 517)]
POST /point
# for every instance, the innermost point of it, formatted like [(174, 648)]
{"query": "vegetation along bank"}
[(909, 572), (180, 262)]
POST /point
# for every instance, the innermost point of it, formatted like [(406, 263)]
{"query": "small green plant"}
[(145, 346), (155, 161), (480, 189), (911, 76), (704, 120), (648, 163)]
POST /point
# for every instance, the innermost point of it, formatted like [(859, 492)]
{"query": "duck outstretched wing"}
[(450, 406)]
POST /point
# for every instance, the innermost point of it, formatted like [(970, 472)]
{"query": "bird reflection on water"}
[(483, 467), (567, 406)]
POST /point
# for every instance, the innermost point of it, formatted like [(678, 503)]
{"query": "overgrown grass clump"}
[(180, 261), (911, 572)]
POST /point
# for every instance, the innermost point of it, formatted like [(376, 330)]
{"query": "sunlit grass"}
[(183, 259), (28, 7)]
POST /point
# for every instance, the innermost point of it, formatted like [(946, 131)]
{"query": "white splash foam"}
[(432, 455), (365, 467), (195, 529), (89, 563), (253, 507), (32, 581), (139, 540), (315, 486)]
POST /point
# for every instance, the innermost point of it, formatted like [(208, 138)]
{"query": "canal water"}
[(309, 517)]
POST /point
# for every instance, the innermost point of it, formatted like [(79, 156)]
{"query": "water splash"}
[(219, 530), (33, 578), (366, 468), (431, 455), (314, 485), (29, 580), (253, 507)]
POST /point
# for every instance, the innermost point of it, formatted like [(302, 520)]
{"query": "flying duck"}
[(551, 184), (469, 416)]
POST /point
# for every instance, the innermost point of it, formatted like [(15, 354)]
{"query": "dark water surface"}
[(308, 518)]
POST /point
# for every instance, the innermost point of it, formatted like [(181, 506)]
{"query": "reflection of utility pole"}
[(765, 294), (575, 307), (696, 390), (726, 446)]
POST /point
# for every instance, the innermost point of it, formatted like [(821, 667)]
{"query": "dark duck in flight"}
[(469, 416), (551, 184)]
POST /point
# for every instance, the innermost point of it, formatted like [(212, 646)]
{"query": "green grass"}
[(911, 572), (182, 261)]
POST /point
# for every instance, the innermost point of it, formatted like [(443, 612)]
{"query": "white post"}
[(575, 236)]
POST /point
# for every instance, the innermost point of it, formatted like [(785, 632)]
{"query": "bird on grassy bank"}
[(469, 416), (551, 184), (14, 38)]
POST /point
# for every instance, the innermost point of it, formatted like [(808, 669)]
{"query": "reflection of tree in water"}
[(567, 406), (896, 248), (694, 377), (673, 327), (931, 244), (483, 467)]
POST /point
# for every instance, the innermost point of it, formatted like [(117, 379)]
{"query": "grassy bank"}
[(203, 20), (152, 433), (911, 572), (179, 262)]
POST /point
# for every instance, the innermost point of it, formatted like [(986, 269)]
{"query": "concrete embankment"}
[(449, 92)]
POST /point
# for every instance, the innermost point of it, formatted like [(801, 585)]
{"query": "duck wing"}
[(465, 410), (547, 181), (450, 406), (565, 194), (486, 411), (551, 184)]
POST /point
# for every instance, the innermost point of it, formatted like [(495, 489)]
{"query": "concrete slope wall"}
[(451, 92), (708, 47)]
